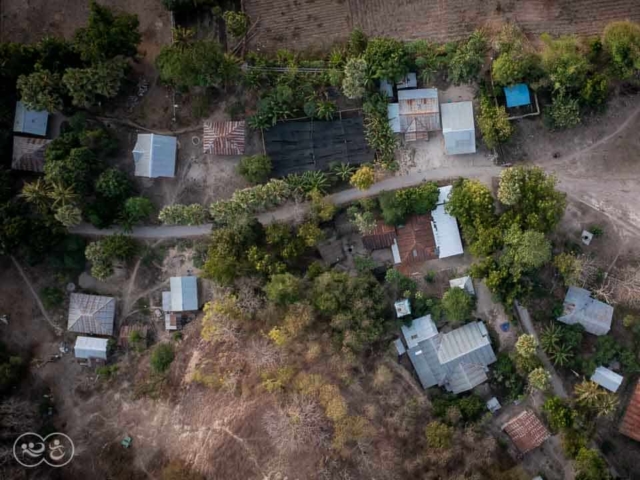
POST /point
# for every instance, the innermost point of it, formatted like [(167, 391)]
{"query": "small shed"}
[(607, 379), (28, 153), (458, 128), (224, 138), (465, 283), (579, 307), (493, 405), (155, 155), (517, 95), (184, 294), (399, 347), (32, 122), (403, 308), (90, 347), (408, 81)]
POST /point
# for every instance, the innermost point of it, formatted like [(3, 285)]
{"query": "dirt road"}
[(527, 324)]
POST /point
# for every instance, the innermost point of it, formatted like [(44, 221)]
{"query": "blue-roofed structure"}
[(155, 155), (517, 95), (32, 122)]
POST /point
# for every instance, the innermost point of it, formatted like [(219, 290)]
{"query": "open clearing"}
[(315, 24)]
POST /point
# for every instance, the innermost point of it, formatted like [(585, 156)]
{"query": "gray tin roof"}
[(458, 128), (184, 294), (595, 316), (155, 155), (607, 379), (33, 122), (91, 314)]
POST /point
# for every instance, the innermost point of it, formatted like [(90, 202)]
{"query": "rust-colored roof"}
[(28, 153), (223, 138), (127, 330), (416, 242), (630, 425), (526, 431), (381, 237)]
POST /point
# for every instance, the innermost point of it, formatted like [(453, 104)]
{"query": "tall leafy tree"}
[(565, 62), (386, 58), (88, 86), (622, 42), (457, 305), (525, 251), (107, 35), (41, 90)]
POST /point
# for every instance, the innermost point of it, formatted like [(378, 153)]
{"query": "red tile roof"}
[(381, 237), (630, 425), (526, 431), (416, 242), (223, 138)]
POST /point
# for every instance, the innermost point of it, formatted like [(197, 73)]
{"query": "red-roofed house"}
[(526, 431), (630, 425)]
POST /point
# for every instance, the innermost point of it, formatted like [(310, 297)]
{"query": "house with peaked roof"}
[(630, 425), (607, 379), (416, 114), (155, 155), (183, 297), (456, 360), (579, 307), (91, 314), (32, 122), (224, 138), (28, 153), (91, 347), (526, 431)]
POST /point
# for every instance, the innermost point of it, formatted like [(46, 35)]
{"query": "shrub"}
[(559, 415), (467, 61), (256, 168), (284, 289), (236, 23), (526, 345), (52, 297), (363, 178), (386, 58), (590, 465), (622, 42), (564, 112), (161, 357), (354, 84), (539, 379), (494, 123), (439, 435), (457, 305)]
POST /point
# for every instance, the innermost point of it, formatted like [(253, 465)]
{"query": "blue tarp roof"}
[(517, 95), (30, 121)]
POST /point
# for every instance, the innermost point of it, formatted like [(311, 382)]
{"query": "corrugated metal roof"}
[(410, 80), (465, 283), (91, 314), (595, 316), (465, 377), (607, 379), (184, 294), (517, 95), (33, 122), (166, 301), (90, 347), (630, 425), (419, 330), (458, 128), (415, 240), (399, 346), (28, 153), (155, 155), (462, 341), (419, 112), (526, 431), (393, 113), (224, 138), (446, 233), (443, 194), (381, 237)]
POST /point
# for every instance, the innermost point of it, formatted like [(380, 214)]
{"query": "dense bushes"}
[(256, 168), (494, 123), (398, 205), (161, 357)]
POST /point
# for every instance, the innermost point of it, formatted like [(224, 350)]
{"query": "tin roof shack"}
[(91, 314), (526, 431), (416, 114), (457, 360), (223, 138), (607, 379), (445, 227), (408, 81), (183, 297), (32, 122), (415, 241), (630, 425), (155, 155), (28, 153), (301, 146), (579, 307), (90, 347), (465, 283), (458, 128)]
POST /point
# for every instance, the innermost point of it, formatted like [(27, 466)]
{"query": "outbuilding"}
[(90, 347), (32, 122), (607, 379), (155, 155), (458, 128), (517, 95)]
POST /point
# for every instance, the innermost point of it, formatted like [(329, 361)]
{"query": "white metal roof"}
[(166, 301), (420, 329), (155, 155), (579, 307), (463, 340), (443, 194), (399, 346), (393, 113), (607, 379), (446, 233), (457, 117), (418, 94), (184, 294), (409, 81), (403, 308), (90, 347), (465, 283)]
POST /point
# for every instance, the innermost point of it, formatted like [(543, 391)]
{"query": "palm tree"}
[(37, 193), (550, 338), (343, 171), (561, 355), (589, 395), (182, 37), (69, 215), (62, 195)]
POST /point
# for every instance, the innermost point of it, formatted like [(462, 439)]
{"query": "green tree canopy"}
[(525, 251), (473, 206), (457, 305), (515, 62), (622, 42), (468, 59), (354, 84), (564, 62), (88, 86), (41, 90), (591, 466), (162, 357), (256, 168), (494, 123), (107, 35), (284, 289), (386, 58), (113, 184), (74, 171)]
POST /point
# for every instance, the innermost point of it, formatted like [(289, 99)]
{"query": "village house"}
[(607, 379), (181, 299), (579, 307), (91, 347), (91, 314), (456, 360), (30, 122), (458, 128), (526, 431), (155, 155), (630, 425)]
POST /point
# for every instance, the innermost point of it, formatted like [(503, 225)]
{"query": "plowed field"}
[(316, 24)]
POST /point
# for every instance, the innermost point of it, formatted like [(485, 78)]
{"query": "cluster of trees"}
[(397, 205), (82, 72), (512, 245), (104, 254)]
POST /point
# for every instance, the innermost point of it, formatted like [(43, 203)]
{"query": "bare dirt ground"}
[(316, 24)]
